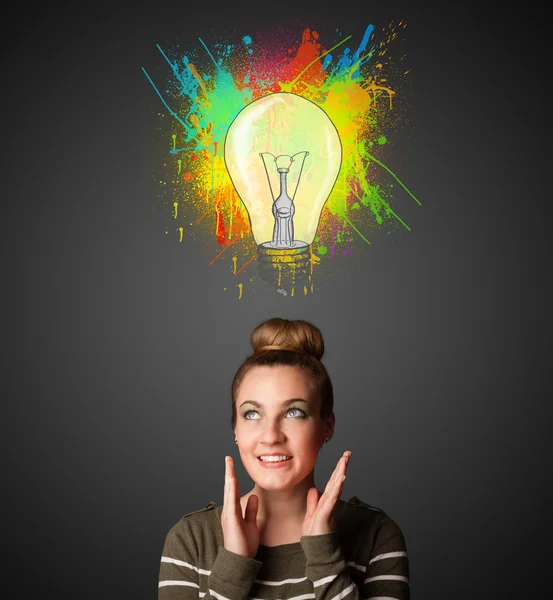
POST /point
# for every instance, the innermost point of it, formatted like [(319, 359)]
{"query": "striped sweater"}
[(366, 558)]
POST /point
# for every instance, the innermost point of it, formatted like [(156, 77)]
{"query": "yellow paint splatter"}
[(355, 106), (176, 205), (181, 232), (198, 77), (240, 286)]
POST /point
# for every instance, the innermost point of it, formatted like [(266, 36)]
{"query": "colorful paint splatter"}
[(355, 81)]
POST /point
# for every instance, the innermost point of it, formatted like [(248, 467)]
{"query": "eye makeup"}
[(300, 408)]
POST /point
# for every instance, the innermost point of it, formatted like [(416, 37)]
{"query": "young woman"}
[(284, 538)]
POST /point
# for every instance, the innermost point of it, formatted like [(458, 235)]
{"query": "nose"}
[(272, 435)]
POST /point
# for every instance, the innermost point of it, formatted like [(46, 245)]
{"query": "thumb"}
[(312, 501), (251, 509)]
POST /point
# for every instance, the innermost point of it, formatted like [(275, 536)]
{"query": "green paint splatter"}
[(208, 100)]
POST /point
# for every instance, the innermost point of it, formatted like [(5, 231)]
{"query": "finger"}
[(343, 464), (345, 460), (313, 500), (335, 478), (348, 457), (330, 500), (231, 488), (331, 486), (236, 493), (336, 474), (225, 498), (345, 457)]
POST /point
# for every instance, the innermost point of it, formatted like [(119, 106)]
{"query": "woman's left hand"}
[(320, 514)]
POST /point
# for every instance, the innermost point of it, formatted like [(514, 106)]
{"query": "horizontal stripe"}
[(352, 563), (181, 563), (316, 583), (167, 582), (328, 579), (344, 593), (282, 582), (302, 597), (387, 578), (339, 596), (388, 555), (324, 580), (218, 596), (311, 596)]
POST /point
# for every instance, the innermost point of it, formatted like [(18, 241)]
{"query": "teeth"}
[(274, 458)]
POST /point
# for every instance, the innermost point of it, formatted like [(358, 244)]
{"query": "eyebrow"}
[(285, 403)]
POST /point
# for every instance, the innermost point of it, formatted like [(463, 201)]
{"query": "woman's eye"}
[(300, 416), (300, 411)]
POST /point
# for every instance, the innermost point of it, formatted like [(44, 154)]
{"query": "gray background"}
[(120, 343)]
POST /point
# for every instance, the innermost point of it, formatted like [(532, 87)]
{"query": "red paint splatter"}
[(309, 51), (281, 60)]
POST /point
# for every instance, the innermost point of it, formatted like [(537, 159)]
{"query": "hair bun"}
[(283, 334)]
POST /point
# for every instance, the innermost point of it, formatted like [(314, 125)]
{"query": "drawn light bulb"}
[(283, 155)]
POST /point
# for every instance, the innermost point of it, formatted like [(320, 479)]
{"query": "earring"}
[(326, 440)]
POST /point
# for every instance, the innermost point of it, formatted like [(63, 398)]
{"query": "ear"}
[(330, 423)]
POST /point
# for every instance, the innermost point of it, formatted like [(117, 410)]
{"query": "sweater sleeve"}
[(386, 574), (232, 575)]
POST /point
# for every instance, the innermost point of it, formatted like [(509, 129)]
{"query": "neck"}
[(285, 505)]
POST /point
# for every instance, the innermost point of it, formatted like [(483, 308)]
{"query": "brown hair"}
[(295, 343)]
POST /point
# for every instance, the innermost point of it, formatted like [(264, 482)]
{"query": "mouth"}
[(275, 465)]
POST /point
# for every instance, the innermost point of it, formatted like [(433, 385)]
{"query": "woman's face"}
[(287, 421)]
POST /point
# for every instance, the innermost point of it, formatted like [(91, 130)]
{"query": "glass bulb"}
[(283, 155)]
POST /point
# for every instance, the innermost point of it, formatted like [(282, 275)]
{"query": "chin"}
[(276, 487)]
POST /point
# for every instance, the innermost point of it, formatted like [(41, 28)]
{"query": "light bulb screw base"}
[(286, 268)]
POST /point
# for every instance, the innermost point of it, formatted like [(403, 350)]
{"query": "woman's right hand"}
[(241, 534)]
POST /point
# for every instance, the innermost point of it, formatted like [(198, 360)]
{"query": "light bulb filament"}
[(283, 206)]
